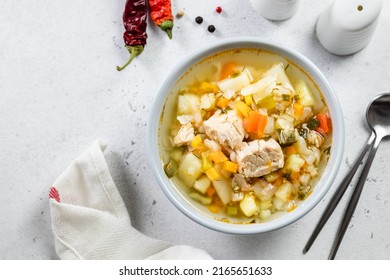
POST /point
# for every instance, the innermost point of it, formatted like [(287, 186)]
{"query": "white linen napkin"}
[(90, 219)]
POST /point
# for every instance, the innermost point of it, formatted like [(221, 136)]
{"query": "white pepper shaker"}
[(347, 26), (275, 9)]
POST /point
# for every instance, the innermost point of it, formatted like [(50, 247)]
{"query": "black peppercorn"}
[(211, 28), (198, 20)]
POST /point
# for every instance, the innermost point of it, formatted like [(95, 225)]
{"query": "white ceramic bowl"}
[(193, 210)]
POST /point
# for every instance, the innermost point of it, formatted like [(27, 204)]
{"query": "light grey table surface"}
[(59, 91)]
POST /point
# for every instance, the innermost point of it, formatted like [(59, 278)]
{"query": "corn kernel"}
[(230, 166), (206, 163), (217, 157), (196, 141), (222, 103), (298, 110), (206, 87), (214, 208), (267, 102), (242, 108), (212, 173), (248, 100)]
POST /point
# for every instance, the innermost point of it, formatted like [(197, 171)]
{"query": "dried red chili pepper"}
[(161, 14), (134, 21)]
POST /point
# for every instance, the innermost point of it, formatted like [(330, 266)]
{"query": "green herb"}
[(286, 97), (302, 132), (286, 138), (236, 74), (313, 123), (296, 97), (301, 195), (288, 65), (327, 150), (171, 168)]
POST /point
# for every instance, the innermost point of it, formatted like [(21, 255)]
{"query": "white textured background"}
[(59, 91)]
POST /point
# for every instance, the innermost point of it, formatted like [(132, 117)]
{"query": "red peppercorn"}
[(218, 10)]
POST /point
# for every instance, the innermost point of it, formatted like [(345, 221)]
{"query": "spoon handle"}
[(334, 201), (354, 199)]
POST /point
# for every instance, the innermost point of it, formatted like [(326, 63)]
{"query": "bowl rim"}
[(331, 169)]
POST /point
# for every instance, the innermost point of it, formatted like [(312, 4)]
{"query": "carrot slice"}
[(262, 124), (324, 122), (228, 69), (210, 191), (290, 150), (253, 121)]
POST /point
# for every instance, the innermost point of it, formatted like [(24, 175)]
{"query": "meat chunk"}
[(314, 138), (185, 135), (259, 157), (226, 129), (240, 183)]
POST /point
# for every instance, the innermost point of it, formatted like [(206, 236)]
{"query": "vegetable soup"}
[(245, 135)]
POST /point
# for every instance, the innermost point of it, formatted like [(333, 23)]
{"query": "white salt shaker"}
[(275, 9), (347, 26)]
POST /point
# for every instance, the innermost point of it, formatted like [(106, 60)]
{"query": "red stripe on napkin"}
[(53, 193)]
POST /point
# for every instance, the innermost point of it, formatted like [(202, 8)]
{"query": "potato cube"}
[(190, 169), (202, 184), (248, 205)]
